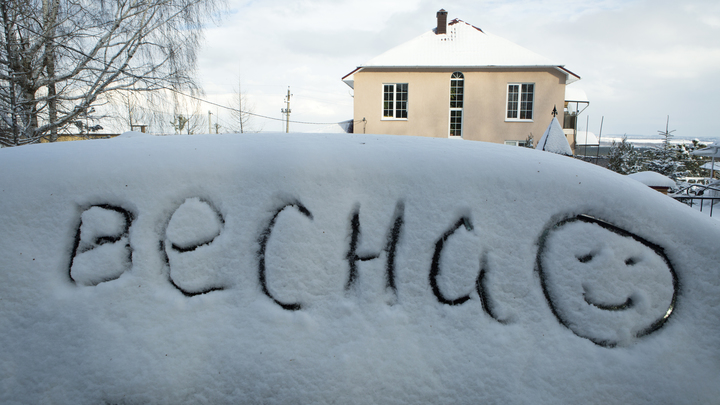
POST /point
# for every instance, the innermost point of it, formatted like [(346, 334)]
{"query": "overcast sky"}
[(640, 61)]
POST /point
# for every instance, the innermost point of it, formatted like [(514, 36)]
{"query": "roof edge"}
[(571, 77), (352, 73), (457, 20), (562, 67), (559, 67)]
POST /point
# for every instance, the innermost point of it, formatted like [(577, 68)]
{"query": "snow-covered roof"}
[(652, 179), (575, 95), (712, 150), (463, 46), (554, 140), (586, 138)]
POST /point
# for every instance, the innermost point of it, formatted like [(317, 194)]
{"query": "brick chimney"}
[(441, 22)]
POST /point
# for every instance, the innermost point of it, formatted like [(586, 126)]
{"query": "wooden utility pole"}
[(287, 111)]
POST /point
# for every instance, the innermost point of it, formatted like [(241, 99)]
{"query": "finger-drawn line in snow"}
[(608, 307), (196, 223), (435, 265), (97, 217), (390, 248), (263, 241), (617, 260), (487, 304), (599, 313)]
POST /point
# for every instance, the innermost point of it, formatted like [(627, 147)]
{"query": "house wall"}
[(485, 102), (79, 137)]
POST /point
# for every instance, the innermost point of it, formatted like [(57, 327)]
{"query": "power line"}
[(102, 62), (249, 113)]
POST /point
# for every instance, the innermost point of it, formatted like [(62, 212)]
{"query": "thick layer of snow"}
[(347, 269), (576, 95), (652, 179), (554, 140), (586, 138), (462, 46)]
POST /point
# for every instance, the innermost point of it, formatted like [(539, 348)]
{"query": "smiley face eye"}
[(631, 261), (586, 258)]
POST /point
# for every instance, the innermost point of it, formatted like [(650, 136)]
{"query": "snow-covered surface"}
[(712, 150), (554, 140), (586, 138), (651, 141), (133, 134), (652, 179), (347, 269), (463, 46), (575, 95)]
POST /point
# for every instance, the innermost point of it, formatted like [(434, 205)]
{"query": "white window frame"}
[(394, 102), (462, 123), (516, 143), (457, 76), (519, 102)]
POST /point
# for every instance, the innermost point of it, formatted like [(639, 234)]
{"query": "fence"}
[(700, 196)]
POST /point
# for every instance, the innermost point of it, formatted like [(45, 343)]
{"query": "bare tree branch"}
[(59, 58)]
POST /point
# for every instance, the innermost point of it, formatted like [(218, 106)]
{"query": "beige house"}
[(458, 81)]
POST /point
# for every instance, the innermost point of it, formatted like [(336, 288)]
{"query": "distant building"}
[(79, 137), (457, 81)]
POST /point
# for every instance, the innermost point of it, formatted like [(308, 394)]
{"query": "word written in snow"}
[(600, 281)]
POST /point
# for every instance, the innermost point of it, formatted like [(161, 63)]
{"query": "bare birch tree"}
[(59, 58), (242, 111)]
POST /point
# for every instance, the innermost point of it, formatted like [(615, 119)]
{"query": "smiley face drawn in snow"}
[(603, 283)]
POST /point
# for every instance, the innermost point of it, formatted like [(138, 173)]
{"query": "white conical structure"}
[(553, 140)]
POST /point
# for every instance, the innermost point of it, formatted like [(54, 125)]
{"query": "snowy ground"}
[(302, 268)]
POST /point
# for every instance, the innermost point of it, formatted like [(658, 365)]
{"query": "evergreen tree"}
[(674, 161), (624, 158), (666, 160), (693, 163), (530, 141)]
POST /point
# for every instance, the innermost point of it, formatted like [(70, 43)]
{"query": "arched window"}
[(457, 85)]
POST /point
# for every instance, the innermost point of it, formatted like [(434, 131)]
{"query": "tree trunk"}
[(11, 55), (50, 11)]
